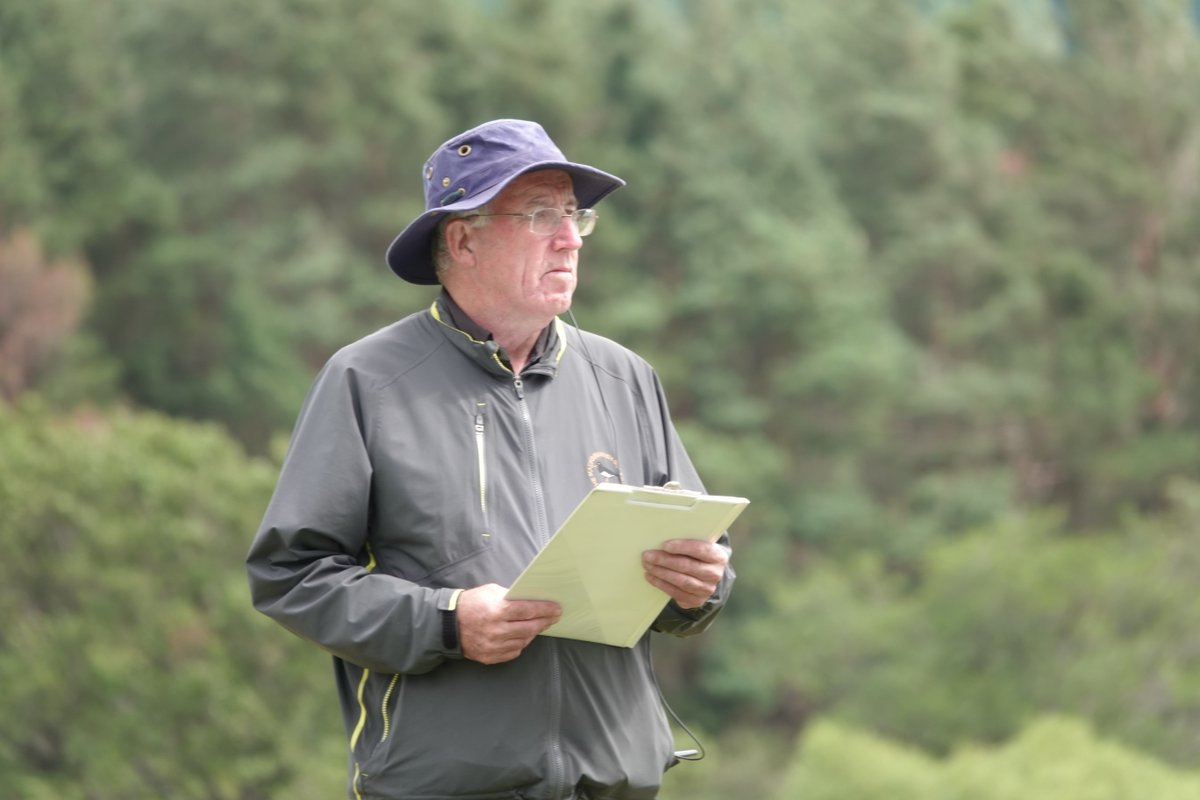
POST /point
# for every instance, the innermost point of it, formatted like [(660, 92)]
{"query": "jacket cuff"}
[(447, 605), (692, 614)]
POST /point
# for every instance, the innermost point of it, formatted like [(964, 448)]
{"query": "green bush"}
[(1054, 758), (1005, 623), (132, 661)]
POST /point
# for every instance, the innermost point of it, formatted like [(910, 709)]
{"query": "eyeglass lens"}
[(545, 221)]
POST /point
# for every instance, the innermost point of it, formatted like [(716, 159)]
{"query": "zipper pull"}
[(519, 385)]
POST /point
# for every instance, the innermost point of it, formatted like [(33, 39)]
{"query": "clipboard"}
[(592, 566)]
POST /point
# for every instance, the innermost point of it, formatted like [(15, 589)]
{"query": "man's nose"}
[(567, 236)]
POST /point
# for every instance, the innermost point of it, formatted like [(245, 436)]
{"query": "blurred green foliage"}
[(132, 666), (1053, 758), (922, 280), (1013, 620)]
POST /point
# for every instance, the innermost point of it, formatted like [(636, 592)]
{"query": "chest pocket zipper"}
[(481, 457)]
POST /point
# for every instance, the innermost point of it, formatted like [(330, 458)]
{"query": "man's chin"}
[(562, 306), (559, 288)]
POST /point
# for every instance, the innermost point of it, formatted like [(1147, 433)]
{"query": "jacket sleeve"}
[(673, 619), (310, 565)]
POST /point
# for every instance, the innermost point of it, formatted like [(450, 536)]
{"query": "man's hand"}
[(689, 570), (493, 629)]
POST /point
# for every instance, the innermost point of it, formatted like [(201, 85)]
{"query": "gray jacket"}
[(420, 464)]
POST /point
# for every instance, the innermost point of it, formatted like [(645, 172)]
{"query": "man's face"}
[(524, 275)]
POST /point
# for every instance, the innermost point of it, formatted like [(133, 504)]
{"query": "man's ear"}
[(460, 241)]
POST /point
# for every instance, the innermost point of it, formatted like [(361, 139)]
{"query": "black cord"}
[(683, 755), (612, 427)]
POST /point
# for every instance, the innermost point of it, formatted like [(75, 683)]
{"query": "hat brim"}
[(409, 254)]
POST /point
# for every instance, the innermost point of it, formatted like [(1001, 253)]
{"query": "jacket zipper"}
[(359, 775), (387, 697), (557, 775), (535, 481)]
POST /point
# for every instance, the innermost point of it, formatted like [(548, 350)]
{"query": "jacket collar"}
[(478, 344)]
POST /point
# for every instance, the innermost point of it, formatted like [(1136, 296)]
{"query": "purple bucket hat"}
[(472, 168)]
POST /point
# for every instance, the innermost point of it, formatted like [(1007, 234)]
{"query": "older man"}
[(435, 457)]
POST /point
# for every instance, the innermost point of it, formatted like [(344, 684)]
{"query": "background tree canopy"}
[(922, 280)]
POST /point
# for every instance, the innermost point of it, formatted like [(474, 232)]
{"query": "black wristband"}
[(449, 630)]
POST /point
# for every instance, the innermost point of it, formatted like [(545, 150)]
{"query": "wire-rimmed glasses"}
[(546, 221)]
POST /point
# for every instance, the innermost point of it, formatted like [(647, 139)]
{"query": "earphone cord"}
[(683, 755), (612, 428)]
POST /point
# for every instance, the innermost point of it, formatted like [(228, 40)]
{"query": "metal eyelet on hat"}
[(445, 181), (464, 150), (429, 173)]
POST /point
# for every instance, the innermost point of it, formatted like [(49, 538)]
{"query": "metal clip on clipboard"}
[(669, 494)]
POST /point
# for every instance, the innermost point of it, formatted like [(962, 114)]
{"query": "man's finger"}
[(663, 562), (682, 597), (698, 549), (517, 610)]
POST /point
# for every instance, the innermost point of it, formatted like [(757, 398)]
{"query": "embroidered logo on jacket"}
[(604, 468)]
